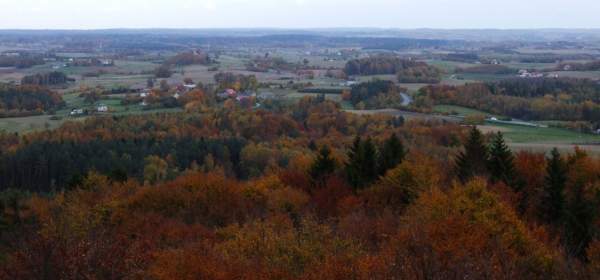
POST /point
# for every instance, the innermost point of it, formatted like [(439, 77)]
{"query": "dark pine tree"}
[(322, 167), (502, 169), (361, 169), (117, 174), (552, 203), (391, 154), (579, 215), (472, 161)]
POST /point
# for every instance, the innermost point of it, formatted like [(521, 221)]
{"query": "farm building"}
[(266, 95), (102, 107)]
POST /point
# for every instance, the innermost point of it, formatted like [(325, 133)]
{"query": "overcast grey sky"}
[(504, 14)]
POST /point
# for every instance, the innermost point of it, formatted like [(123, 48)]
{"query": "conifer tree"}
[(552, 204), (502, 169), (361, 168), (117, 174), (472, 161), (322, 167), (391, 154), (579, 216)]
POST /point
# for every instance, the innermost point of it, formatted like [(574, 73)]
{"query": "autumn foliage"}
[(234, 194)]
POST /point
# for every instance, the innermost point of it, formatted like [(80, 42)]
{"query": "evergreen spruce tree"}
[(502, 168), (117, 174), (361, 168), (369, 164), (472, 161), (579, 216), (322, 167), (552, 204), (391, 154)]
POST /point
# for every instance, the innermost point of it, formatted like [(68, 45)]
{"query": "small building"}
[(76, 111), (102, 107), (266, 95), (143, 103), (567, 67), (190, 87), (522, 71), (230, 92), (144, 92), (536, 75)]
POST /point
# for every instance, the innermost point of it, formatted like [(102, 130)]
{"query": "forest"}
[(20, 62), (187, 58), (406, 71), (377, 94), (566, 99), (25, 100), (304, 191), (46, 79)]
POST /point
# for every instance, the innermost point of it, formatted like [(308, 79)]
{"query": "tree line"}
[(406, 71), (23, 100)]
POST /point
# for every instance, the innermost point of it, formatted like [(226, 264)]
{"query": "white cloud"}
[(77, 10), (300, 1), (210, 5), (2, 2), (36, 9)]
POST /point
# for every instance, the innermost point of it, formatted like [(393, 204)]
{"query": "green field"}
[(463, 111), (529, 134)]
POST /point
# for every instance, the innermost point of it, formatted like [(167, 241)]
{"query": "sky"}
[(404, 14)]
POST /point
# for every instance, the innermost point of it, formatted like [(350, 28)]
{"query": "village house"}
[(76, 111), (246, 94), (144, 92), (266, 95), (102, 107)]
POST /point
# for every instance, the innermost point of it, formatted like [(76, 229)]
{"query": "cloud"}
[(210, 5), (77, 10), (2, 2), (300, 2)]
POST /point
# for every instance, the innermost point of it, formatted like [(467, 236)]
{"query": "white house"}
[(266, 95), (102, 107), (144, 92), (76, 111)]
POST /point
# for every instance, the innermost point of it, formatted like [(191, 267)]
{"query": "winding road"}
[(406, 99)]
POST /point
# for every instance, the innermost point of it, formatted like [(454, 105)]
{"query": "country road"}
[(406, 99)]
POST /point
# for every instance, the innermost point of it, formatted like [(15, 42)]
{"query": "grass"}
[(538, 66), (527, 134), (346, 105), (463, 111)]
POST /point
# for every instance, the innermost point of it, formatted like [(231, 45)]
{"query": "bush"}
[(56, 118)]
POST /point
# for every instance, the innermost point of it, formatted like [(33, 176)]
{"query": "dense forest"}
[(46, 79), (377, 94), (25, 100), (406, 71), (566, 99), (304, 191), (238, 82), (21, 61), (187, 58), (261, 64), (593, 65)]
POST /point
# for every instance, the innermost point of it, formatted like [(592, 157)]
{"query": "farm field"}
[(463, 111)]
